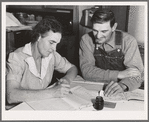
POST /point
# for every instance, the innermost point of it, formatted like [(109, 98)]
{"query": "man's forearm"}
[(22, 95), (96, 74), (71, 73), (132, 82)]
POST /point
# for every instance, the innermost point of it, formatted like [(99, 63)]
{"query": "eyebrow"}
[(53, 41), (101, 30)]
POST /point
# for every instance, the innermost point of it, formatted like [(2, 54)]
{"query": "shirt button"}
[(118, 50)]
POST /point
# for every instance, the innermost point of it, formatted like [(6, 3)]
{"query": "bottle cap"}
[(99, 98)]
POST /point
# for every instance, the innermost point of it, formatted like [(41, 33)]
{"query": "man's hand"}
[(113, 88), (130, 72), (62, 89), (65, 80)]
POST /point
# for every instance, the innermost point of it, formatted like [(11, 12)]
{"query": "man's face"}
[(102, 32), (48, 42)]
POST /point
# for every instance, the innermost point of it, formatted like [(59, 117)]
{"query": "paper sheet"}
[(50, 104), (82, 92), (80, 98), (76, 102), (130, 95), (136, 94), (22, 106)]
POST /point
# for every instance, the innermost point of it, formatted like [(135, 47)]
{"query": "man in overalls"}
[(110, 55)]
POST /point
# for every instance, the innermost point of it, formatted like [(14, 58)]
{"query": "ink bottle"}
[(99, 103)]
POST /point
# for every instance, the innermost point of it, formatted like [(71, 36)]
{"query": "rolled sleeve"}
[(132, 60), (14, 69), (113, 75), (132, 82), (132, 55), (61, 63)]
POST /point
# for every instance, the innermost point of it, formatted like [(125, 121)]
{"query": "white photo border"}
[(73, 115)]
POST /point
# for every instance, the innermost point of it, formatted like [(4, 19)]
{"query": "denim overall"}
[(112, 60)]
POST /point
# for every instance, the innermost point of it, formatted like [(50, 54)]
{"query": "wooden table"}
[(94, 88), (125, 110)]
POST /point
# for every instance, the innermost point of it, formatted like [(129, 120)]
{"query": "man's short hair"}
[(45, 25), (102, 16)]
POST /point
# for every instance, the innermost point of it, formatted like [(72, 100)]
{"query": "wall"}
[(118, 11), (136, 23), (82, 30)]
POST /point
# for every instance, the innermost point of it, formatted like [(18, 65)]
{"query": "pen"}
[(58, 80), (61, 82), (124, 95)]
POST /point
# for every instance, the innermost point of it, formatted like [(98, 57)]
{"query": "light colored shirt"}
[(132, 59), (21, 68)]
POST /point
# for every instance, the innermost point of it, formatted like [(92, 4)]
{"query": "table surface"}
[(92, 86)]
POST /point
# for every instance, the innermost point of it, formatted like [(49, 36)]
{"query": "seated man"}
[(110, 55), (30, 68)]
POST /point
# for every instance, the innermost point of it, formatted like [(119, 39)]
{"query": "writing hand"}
[(112, 89), (60, 90), (65, 81), (130, 72), (63, 87)]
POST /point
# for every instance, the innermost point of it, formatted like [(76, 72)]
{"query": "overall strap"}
[(118, 39)]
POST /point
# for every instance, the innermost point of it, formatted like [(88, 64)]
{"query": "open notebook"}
[(80, 98), (136, 95)]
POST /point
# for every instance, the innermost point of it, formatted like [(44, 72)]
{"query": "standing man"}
[(107, 54)]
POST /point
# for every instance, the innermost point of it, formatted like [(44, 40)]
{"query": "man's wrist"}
[(124, 87), (67, 79), (120, 76)]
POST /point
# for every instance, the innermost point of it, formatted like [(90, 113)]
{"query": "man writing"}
[(30, 68)]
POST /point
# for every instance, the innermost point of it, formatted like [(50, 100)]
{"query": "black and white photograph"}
[(74, 60)]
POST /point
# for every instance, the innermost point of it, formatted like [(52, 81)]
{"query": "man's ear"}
[(39, 37), (114, 27)]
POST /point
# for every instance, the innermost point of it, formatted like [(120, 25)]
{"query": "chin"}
[(48, 53), (100, 41), (45, 55)]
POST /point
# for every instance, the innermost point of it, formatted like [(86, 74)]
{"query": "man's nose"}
[(54, 47), (98, 34)]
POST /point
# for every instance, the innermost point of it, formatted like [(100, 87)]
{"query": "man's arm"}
[(64, 66), (87, 64), (132, 77), (132, 60), (70, 75), (16, 94)]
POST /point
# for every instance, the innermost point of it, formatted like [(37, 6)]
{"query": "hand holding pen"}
[(64, 83)]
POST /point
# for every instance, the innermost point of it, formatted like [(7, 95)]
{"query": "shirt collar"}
[(112, 40), (32, 66), (27, 49)]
